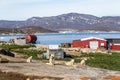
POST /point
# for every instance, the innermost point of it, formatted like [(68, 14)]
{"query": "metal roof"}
[(92, 38)]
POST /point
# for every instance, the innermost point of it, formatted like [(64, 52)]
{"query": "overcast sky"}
[(24, 9)]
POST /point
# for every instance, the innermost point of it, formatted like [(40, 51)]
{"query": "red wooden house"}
[(90, 42), (113, 44)]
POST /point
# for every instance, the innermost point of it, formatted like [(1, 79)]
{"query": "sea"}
[(58, 38)]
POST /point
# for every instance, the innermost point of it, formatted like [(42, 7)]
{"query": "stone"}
[(85, 78)]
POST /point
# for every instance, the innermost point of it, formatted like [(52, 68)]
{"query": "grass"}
[(22, 49), (99, 60), (105, 61), (32, 53), (14, 46)]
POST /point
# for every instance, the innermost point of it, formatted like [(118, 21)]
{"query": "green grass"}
[(99, 60), (111, 62), (22, 49), (29, 53), (14, 46)]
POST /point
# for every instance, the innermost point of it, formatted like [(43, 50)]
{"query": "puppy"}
[(71, 63), (29, 59), (51, 60), (83, 62)]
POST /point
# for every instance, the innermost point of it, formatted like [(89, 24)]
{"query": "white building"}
[(19, 41)]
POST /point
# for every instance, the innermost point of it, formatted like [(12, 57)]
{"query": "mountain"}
[(25, 30), (70, 21)]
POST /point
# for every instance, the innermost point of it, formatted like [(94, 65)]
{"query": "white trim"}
[(92, 38), (116, 44)]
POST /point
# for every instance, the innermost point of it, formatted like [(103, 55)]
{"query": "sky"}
[(24, 9)]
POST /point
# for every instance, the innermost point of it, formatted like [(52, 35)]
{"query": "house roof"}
[(92, 38), (115, 40)]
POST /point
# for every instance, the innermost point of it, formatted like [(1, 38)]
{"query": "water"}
[(58, 38)]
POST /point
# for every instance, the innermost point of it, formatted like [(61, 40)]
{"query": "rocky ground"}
[(18, 69), (61, 72)]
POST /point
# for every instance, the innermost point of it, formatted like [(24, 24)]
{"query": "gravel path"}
[(42, 69)]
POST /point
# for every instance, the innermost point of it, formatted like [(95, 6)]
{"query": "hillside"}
[(25, 30), (71, 21)]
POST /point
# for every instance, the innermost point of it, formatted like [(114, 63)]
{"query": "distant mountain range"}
[(25, 30), (70, 21)]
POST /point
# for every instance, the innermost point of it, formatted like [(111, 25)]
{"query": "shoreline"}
[(58, 38), (62, 33)]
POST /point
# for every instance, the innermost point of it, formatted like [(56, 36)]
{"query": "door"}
[(93, 44)]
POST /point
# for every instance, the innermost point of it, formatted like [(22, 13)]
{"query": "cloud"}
[(6, 2), (23, 9)]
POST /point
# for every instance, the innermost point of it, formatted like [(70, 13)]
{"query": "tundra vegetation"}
[(28, 53), (105, 61), (14, 46), (22, 49), (98, 60)]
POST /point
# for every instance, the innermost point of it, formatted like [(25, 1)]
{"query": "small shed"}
[(53, 47), (19, 41), (65, 45), (59, 53), (90, 42), (113, 43)]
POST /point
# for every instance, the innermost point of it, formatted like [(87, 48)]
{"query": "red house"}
[(115, 47), (90, 42), (113, 44)]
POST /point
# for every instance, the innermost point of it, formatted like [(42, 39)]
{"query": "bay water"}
[(58, 38)]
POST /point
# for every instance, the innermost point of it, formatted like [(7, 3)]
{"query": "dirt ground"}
[(18, 69), (11, 76), (17, 76), (57, 72)]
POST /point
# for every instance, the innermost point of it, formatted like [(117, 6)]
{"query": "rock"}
[(72, 78), (85, 78), (113, 77)]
